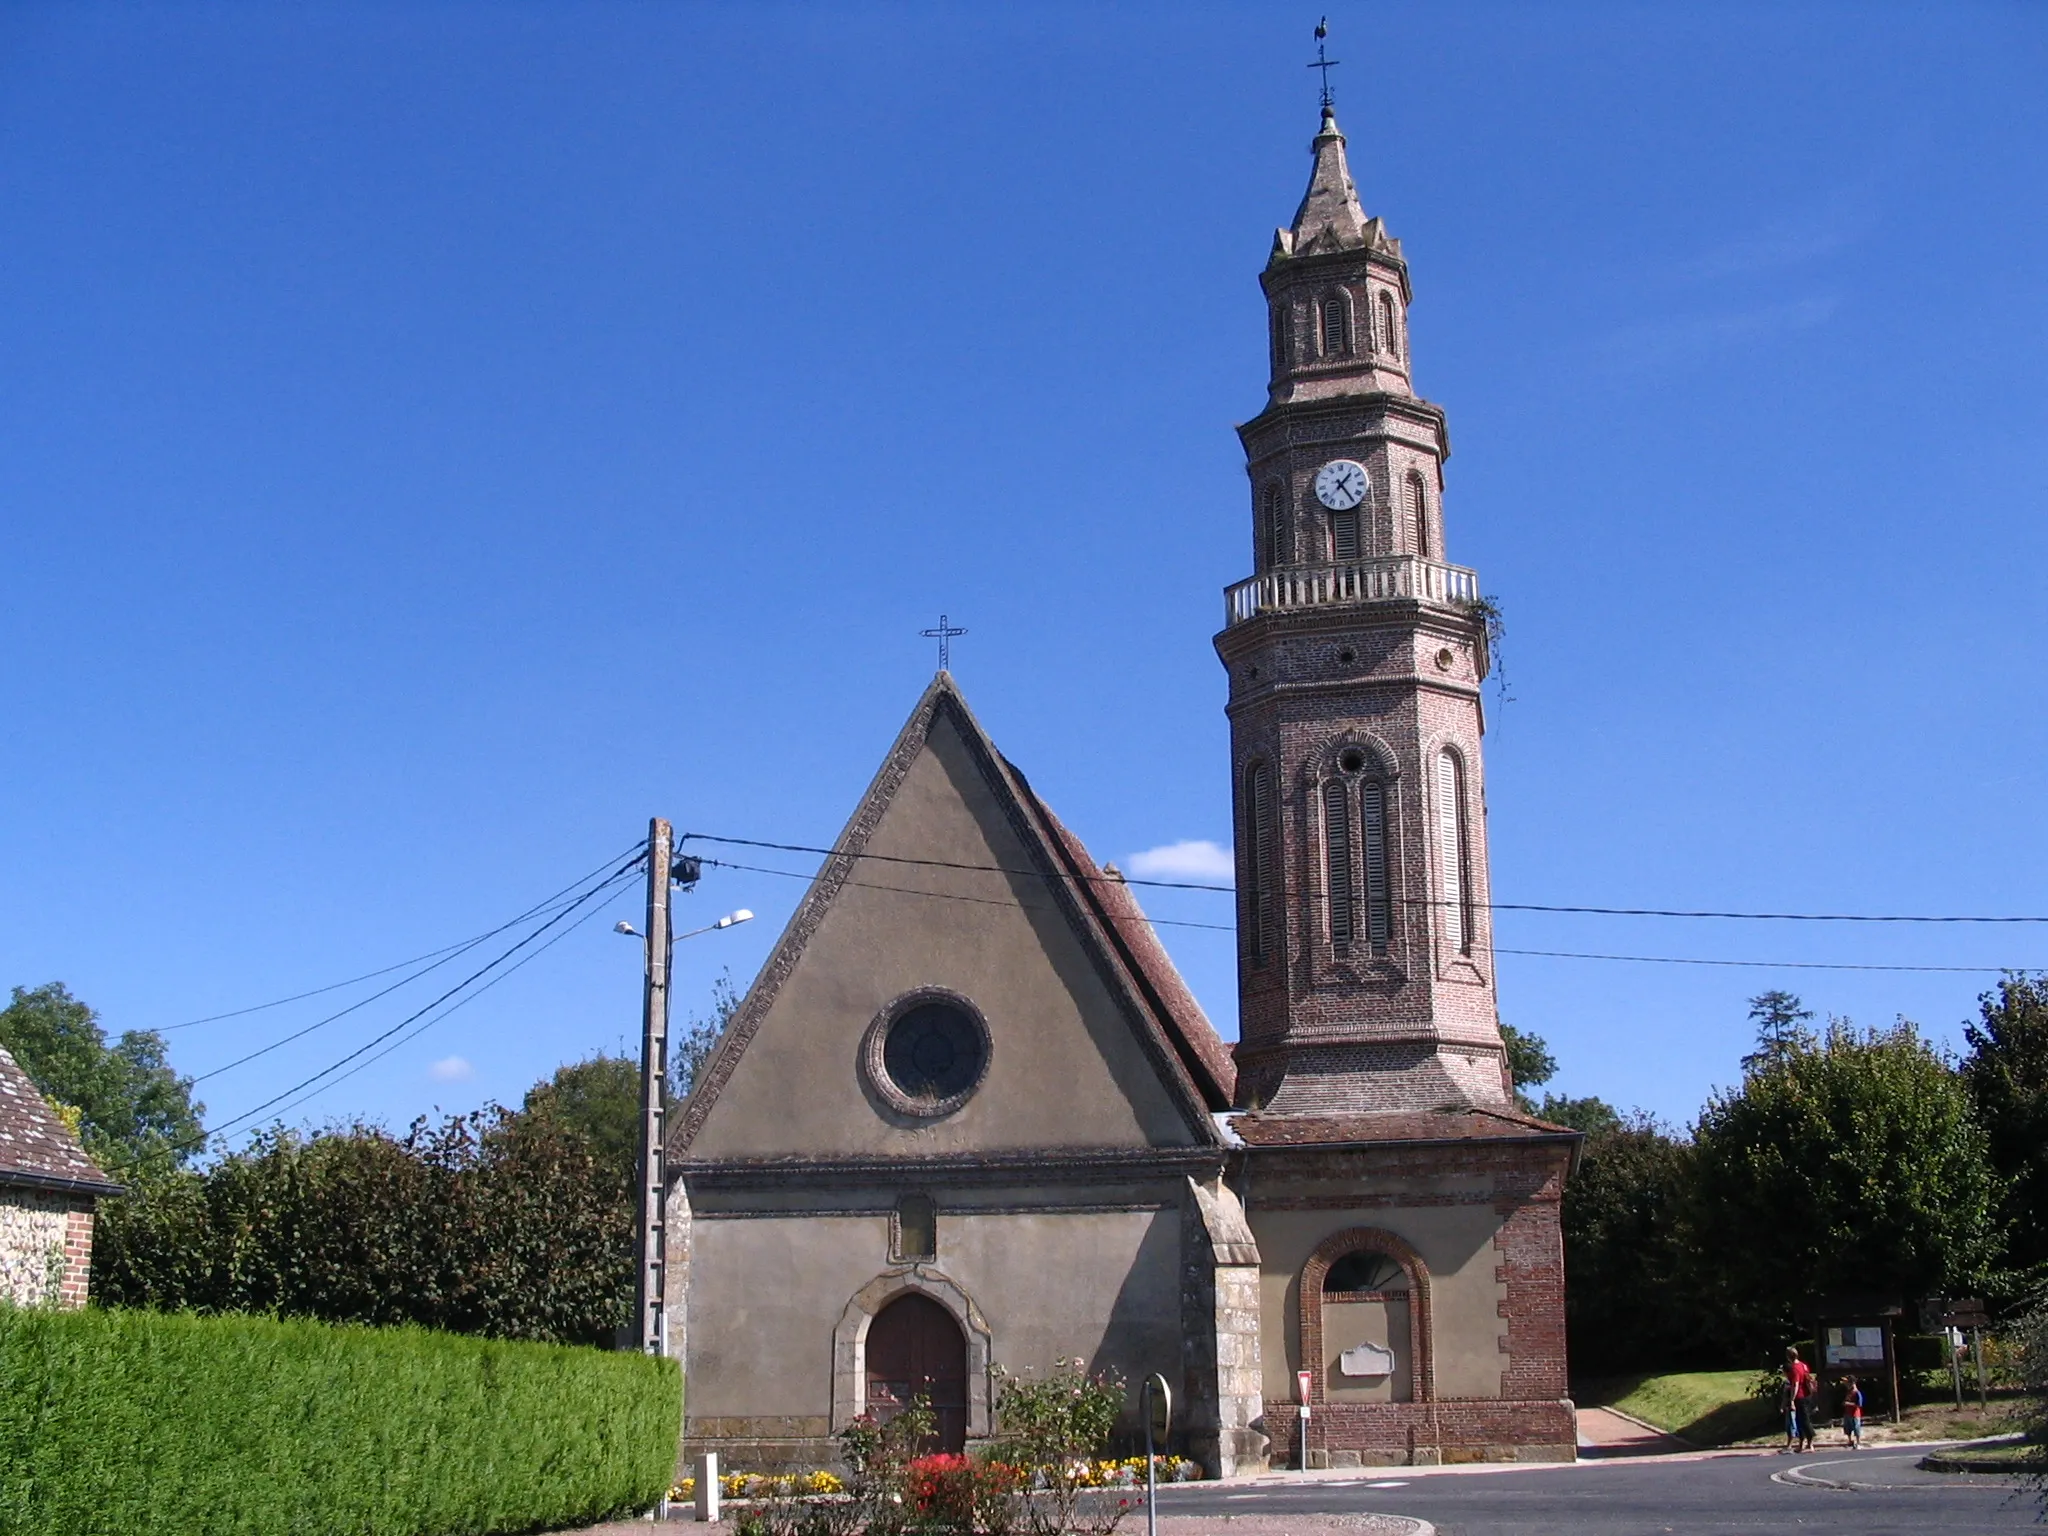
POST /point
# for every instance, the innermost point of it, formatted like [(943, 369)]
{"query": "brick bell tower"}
[(1355, 654)]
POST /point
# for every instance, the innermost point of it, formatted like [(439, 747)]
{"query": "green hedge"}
[(134, 1423)]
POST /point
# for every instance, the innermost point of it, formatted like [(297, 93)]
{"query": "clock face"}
[(1341, 485)]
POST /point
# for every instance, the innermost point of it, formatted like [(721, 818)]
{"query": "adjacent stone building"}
[(969, 1117), (48, 1190)]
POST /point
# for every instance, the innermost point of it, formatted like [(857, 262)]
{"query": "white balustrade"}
[(1350, 581)]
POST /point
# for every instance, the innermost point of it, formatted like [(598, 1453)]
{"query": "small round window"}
[(926, 1053)]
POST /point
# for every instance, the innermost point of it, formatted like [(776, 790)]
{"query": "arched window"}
[(1277, 325), (1340, 882), (1378, 905), (1418, 516), (916, 1230), (1260, 816), (1336, 327), (1344, 535), (1273, 527), (1390, 341), (1451, 851)]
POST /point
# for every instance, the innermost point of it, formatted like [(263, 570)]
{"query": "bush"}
[(493, 1223), (147, 1424)]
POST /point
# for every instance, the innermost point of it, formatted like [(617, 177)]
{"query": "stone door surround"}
[(850, 1342)]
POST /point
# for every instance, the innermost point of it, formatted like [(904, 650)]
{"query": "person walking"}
[(1852, 1413), (1799, 1377)]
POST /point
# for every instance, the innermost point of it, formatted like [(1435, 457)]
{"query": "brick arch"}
[(1422, 1348)]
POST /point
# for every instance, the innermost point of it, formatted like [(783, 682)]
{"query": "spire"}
[(1330, 218)]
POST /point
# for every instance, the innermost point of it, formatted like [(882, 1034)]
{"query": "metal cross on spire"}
[(1324, 62), (944, 634)]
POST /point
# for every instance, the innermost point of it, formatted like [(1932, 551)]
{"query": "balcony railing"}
[(1350, 581)]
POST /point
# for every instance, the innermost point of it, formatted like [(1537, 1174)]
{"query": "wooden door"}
[(916, 1349)]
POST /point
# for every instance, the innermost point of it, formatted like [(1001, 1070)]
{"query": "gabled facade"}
[(964, 1117)]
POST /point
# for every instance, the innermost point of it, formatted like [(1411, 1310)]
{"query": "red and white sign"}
[(1301, 1386)]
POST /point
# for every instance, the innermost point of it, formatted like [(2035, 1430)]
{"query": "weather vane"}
[(1324, 62), (944, 634)]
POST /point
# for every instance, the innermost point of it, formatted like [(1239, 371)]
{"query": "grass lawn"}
[(2012, 1456), (1705, 1407)]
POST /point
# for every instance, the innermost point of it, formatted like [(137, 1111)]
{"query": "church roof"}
[(1194, 1038), (36, 1148), (1453, 1123)]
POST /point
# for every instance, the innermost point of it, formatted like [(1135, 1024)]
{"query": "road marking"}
[(1402, 1484)]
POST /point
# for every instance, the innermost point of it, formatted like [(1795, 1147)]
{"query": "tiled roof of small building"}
[(36, 1148), (1452, 1124)]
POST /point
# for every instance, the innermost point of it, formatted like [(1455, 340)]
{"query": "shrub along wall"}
[(140, 1423)]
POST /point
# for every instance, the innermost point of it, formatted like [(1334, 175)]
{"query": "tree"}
[(2006, 1071), (132, 1107), (1530, 1064), (1596, 1117), (1627, 1304), (597, 1099), (1853, 1164), (1780, 1020), (690, 1047)]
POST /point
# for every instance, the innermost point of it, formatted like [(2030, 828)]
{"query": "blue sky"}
[(435, 438)]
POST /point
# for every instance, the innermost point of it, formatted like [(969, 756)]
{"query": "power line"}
[(1496, 906), (1772, 965), (450, 950), (1553, 954), (987, 901), (464, 1002), (604, 887)]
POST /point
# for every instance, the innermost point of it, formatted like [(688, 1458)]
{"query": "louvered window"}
[(1278, 326), (1450, 821), (1418, 516), (1389, 342), (1336, 327), (1273, 527), (1259, 860), (1344, 535), (1378, 909), (1342, 888)]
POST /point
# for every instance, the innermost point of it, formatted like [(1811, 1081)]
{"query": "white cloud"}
[(1686, 338), (451, 1069), (1191, 859)]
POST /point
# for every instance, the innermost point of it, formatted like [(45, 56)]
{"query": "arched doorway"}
[(914, 1348)]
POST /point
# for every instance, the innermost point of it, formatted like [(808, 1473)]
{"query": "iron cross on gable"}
[(944, 634)]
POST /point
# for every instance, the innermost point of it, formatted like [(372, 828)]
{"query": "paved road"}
[(1888, 1496)]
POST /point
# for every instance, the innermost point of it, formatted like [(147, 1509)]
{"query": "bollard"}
[(707, 1486)]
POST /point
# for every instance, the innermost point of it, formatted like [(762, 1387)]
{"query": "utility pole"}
[(650, 1288)]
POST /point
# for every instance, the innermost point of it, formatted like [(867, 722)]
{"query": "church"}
[(969, 1119)]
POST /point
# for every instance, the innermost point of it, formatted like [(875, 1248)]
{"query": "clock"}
[(1341, 484)]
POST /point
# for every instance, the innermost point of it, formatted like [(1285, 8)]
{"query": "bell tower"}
[(1355, 653)]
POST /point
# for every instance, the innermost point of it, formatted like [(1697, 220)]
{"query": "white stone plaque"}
[(1367, 1360)]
